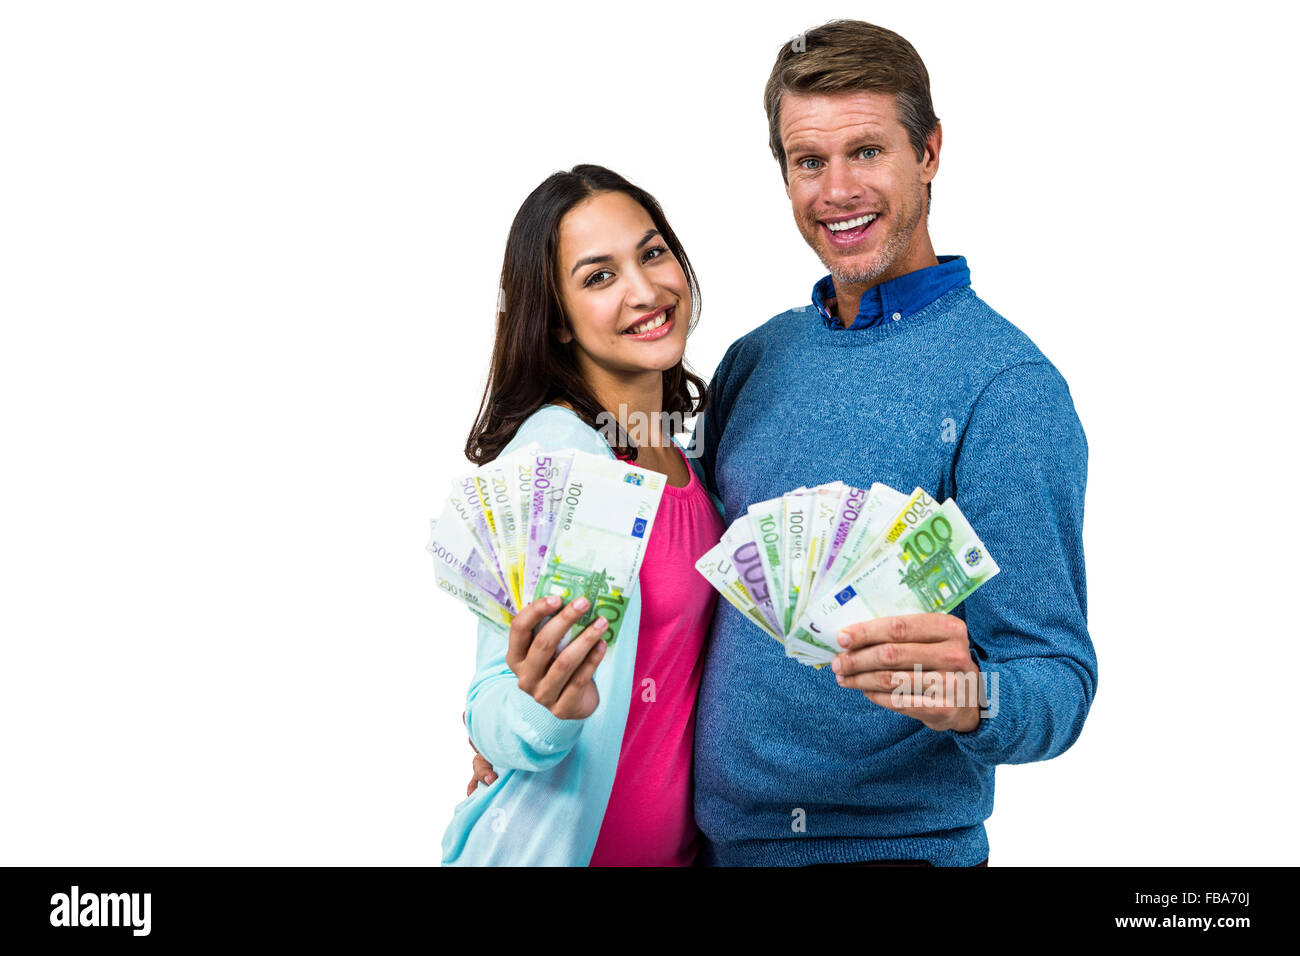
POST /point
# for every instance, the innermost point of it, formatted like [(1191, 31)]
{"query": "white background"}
[(248, 271)]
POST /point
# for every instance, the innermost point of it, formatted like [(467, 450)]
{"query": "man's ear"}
[(930, 165)]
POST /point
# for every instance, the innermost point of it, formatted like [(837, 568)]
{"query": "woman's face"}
[(617, 276)]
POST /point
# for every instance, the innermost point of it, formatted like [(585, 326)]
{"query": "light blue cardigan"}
[(554, 776)]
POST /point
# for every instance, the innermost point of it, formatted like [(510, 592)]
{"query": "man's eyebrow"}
[(870, 135), (592, 260)]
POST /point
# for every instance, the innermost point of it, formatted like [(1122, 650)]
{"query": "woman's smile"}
[(656, 327)]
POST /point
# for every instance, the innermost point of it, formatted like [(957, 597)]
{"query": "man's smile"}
[(846, 232)]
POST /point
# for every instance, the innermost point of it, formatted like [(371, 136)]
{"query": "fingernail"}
[(491, 778), (582, 604), (553, 600), (844, 638), (835, 665), (601, 623)]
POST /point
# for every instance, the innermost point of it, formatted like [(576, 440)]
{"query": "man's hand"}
[(881, 656)]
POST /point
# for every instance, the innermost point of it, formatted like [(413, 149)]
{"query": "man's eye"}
[(808, 159), (591, 279), (870, 149)]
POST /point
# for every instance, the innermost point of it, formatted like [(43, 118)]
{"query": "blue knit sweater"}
[(790, 768)]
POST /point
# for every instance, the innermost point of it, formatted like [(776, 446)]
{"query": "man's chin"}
[(845, 271)]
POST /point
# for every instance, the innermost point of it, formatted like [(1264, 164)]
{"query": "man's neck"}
[(848, 295)]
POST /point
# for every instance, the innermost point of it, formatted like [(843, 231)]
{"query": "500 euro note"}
[(606, 515)]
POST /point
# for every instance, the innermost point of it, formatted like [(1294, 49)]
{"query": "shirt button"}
[(896, 316)]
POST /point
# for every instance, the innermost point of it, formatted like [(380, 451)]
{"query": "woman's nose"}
[(641, 290)]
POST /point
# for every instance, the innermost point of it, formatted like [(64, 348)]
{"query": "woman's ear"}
[(563, 335)]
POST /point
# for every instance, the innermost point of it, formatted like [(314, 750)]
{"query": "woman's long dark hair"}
[(530, 366)]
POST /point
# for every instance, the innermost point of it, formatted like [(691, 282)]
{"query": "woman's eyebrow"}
[(592, 260)]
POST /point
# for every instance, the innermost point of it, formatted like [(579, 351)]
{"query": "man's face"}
[(848, 156)]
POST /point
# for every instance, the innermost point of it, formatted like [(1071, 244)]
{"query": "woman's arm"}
[(514, 728), (527, 704)]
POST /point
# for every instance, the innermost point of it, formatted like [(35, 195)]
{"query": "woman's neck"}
[(636, 403)]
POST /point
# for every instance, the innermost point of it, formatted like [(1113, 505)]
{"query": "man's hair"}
[(849, 56)]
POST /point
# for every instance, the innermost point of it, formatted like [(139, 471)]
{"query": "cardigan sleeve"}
[(1019, 478), (510, 729)]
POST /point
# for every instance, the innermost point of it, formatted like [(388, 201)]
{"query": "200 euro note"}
[(606, 516), (466, 500), (502, 498)]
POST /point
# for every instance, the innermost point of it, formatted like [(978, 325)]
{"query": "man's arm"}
[(1020, 475)]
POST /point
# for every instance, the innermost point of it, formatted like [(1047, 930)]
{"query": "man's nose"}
[(841, 185)]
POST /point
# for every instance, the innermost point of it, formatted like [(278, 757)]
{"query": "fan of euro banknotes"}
[(806, 564), (536, 523)]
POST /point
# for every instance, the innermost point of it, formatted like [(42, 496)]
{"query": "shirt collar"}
[(897, 298)]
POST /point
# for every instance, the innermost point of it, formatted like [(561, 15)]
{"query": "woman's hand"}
[(563, 684)]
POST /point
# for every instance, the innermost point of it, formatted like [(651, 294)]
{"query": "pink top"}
[(649, 820)]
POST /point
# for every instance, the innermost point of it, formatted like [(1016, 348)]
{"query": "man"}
[(897, 373)]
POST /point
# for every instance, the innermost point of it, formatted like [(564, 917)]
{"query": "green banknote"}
[(803, 566), (606, 516)]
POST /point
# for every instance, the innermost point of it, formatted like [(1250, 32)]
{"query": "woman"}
[(593, 756)]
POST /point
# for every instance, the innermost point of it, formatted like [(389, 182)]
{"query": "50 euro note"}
[(607, 512), (930, 560)]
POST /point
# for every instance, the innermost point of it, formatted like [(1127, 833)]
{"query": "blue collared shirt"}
[(896, 299)]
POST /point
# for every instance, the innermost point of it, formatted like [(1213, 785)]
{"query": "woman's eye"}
[(591, 279), (659, 249)]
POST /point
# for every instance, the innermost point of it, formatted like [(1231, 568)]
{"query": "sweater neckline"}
[(852, 338), (692, 482)]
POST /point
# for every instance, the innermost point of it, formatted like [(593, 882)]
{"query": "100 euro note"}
[(930, 564), (861, 530), (606, 515)]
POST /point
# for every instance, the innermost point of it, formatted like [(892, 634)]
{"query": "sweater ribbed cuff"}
[(545, 731), (987, 742)]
